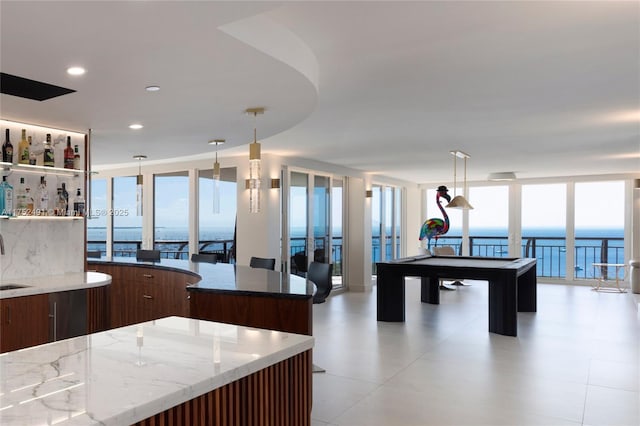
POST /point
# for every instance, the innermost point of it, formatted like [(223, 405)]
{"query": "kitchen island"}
[(170, 371)]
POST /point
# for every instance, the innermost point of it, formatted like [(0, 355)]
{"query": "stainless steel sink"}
[(12, 286)]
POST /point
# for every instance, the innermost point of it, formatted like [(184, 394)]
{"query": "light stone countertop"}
[(124, 375), (54, 283)]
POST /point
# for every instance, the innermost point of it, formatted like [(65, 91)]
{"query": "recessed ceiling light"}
[(152, 88), (75, 71), (136, 126)]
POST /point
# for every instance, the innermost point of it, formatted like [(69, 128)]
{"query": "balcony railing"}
[(179, 249), (550, 252)]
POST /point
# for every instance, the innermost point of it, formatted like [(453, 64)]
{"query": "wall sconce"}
[(254, 165), (275, 183), (216, 177), (139, 184), (368, 193), (458, 201)]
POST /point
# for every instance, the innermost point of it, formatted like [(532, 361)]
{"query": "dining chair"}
[(264, 263), (148, 255), (204, 257)]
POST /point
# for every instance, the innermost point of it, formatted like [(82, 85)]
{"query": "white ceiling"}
[(539, 88)]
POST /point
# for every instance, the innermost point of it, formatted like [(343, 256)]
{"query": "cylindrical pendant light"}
[(139, 181), (254, 165), (216, 177)]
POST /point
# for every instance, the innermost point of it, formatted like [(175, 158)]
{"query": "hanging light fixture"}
[(254, 165), (458, 201), (139, 184), (216, 177)]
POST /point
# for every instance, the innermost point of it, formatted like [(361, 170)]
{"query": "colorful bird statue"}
[(435, 227)]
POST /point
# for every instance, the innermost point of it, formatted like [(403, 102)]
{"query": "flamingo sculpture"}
[(435, 227)]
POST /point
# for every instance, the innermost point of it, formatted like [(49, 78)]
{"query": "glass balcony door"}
[(309, 222)]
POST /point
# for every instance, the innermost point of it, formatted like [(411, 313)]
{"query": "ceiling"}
[(538, 88)]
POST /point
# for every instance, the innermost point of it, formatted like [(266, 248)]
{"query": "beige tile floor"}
[(574, 362)]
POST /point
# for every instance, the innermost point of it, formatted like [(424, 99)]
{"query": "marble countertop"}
[(54, 283), (124, 375), (224, 277)]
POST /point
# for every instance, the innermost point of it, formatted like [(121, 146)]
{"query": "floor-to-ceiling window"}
[(321, 219), (171, 215), (376, 226), (127, 228), (216, 229), (544, 215), (298, 221), (97, 217), (599, 226), (489, 221), (337, 245), (385, 223)]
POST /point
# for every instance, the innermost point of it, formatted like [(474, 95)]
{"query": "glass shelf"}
[(40, 169)]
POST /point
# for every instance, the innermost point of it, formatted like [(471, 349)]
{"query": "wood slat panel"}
[(279, 395), (98, 318)]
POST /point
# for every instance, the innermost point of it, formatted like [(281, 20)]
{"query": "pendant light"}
[(139, 184), (458, 201), (216, 177), (254, 165)]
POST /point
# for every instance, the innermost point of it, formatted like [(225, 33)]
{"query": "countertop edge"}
[(55, 283)]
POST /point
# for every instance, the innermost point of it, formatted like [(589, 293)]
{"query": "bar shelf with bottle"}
[(44, 174), (28, 168)]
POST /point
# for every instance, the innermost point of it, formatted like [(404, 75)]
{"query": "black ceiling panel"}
[(30, 89)]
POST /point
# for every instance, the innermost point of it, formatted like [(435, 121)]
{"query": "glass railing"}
[(550, 252)]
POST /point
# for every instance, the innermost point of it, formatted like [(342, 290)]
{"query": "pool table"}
[(512, 285)]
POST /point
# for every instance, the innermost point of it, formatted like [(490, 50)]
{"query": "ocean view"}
[(548, 244)]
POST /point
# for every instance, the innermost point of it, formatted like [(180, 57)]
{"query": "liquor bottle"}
[(78, 204), (30, 202), (48, 152), (7, 148), (65, 197), (58, 208), (6, 198), (43, 198), (68, 155), (76, 158), (32, 155), (23, 149), (21, 199)]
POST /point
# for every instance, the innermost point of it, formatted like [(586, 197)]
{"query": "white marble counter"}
[(124, 375), (54, 283)]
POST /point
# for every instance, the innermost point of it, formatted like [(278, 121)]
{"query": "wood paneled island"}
[(173, 371)]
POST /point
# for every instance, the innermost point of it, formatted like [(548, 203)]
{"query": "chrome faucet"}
[(1, 245)]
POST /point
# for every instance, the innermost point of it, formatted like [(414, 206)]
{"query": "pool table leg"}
[(527, 292), (429, 290), (503, 301), (390, 289)]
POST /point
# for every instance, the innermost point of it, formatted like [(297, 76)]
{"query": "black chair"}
[(264, 263), (299, 264), (148, 255), (94, 254), (320, 274), (203, 257)]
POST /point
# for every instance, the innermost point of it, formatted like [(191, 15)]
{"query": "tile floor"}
[(574, 362)]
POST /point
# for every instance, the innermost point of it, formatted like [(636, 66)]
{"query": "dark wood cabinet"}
[(25, 322), (141, 293)]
